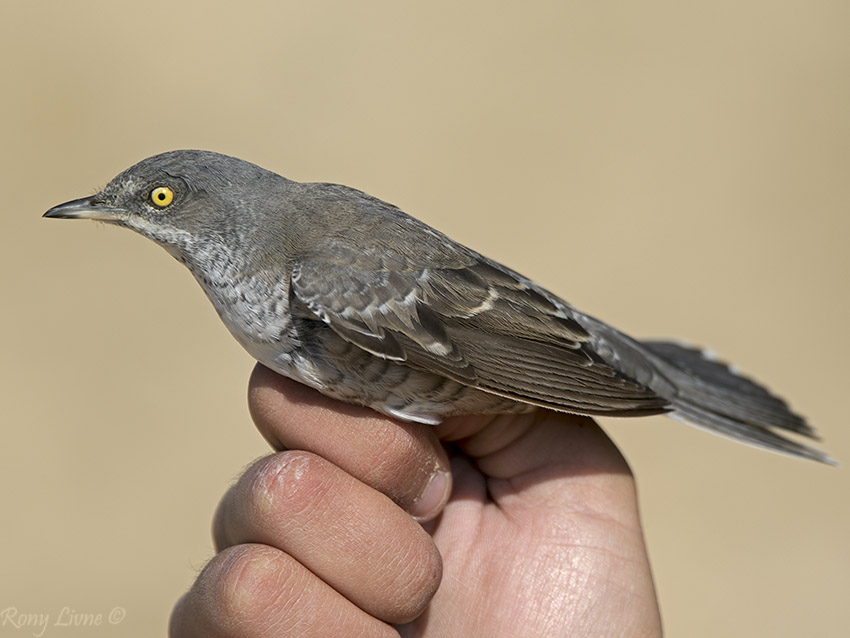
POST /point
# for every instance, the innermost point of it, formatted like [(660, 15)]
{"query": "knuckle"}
[(287, 482), (254, 586)]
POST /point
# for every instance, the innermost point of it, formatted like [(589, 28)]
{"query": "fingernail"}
[(433, 497)]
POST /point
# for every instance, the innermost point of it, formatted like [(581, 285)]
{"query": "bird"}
[(347, 294)]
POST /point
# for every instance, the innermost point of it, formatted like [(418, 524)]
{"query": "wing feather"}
[(477, 323)]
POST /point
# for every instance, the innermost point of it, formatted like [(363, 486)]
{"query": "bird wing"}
[(470, 320)]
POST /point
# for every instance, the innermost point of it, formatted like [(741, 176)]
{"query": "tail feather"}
[(741, 398), (709, 394)]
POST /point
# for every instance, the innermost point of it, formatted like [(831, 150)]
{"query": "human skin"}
[(360, 525)]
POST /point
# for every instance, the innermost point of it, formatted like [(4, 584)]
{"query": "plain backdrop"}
[(676, 169)]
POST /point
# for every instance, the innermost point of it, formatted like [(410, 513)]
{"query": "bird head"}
[(187, 201)]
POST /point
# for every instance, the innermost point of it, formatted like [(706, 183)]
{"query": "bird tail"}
[(709, 394)]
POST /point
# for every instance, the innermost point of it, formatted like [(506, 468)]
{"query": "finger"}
[(254, 591), (405, 461), (348, 534)]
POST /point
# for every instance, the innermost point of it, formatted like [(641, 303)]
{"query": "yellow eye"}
[(161, 196)]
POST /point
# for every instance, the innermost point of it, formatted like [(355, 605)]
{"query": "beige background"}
[(674, 168)]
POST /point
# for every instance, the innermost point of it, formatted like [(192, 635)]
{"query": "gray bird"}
[(347, 294)]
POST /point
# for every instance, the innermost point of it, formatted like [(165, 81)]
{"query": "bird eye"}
[(161, 196)]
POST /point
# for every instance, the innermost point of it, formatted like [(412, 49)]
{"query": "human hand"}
[(540, 536)]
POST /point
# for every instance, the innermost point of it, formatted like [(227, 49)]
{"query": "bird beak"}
[(87, 208)]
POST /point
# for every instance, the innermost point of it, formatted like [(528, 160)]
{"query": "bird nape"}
[(348, 294)]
